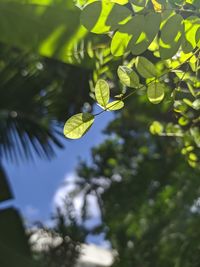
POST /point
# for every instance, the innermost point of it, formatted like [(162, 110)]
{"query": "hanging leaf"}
[(155, 92), (103, 16), (145, 68), (122, 37), (76, 126), (115, 105), (171, 36), (149, 27), (192, 24), (102, 93), (128, 77)]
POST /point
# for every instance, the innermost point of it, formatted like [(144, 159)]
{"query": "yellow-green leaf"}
[(76, 126), (156, 127), (148, 29), (171, 36), (128, 77), (121, 38), (103, 16), (145, 68), (102, 92), (115, 105), (155, 92)]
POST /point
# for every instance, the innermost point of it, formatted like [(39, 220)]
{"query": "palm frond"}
[(36, 97)]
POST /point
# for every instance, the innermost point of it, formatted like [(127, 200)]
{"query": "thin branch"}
[(143, 86)]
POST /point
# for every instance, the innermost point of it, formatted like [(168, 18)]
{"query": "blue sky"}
[(35, 184)]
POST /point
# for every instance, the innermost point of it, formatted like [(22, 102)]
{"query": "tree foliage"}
[(153, 48), (148, 195)]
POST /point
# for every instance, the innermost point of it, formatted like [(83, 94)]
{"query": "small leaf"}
[(155, 92), (196, 104), (157, 6), (115, 105), (128, 77), (76, 126), (156, 127), (119, 96), (145, 68), (102, 93)]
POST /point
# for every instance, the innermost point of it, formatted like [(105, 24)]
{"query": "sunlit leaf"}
[(148, 28), (115, 105), (102, 93), (157, 6), (155, 92), (156, 127), (103, 16), (120, 2), (128, 77), (192, 24), (145, 68), (196, 104), (171, 36), (76, 126), (121, 38)]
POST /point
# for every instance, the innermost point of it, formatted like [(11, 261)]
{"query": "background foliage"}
[(134, 53)]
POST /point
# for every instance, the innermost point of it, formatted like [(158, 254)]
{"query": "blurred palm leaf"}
[(36, 96)]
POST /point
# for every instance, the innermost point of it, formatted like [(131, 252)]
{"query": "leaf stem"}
[(141, 87)]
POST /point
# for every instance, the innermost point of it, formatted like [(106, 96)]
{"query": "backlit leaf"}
[(76, 126), (155, 92), (157, 6), (102, 93), (156, 127), (192, 24), (115, 105), (128, 77), (103, 16), (145, 68), (148, 28), (171, 36), (121, 38)]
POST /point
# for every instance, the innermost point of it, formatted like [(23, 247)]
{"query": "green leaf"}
[(76, 126), (171, 36), (191, 24), (128, 77), (122, 37), (155, 92), (102, 93), (115, 105), (141, 3), (119, 43), (103, 16), (156, 127), (197, 37), (51, 29), (145, 68), (196, 104), (149, 27)]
